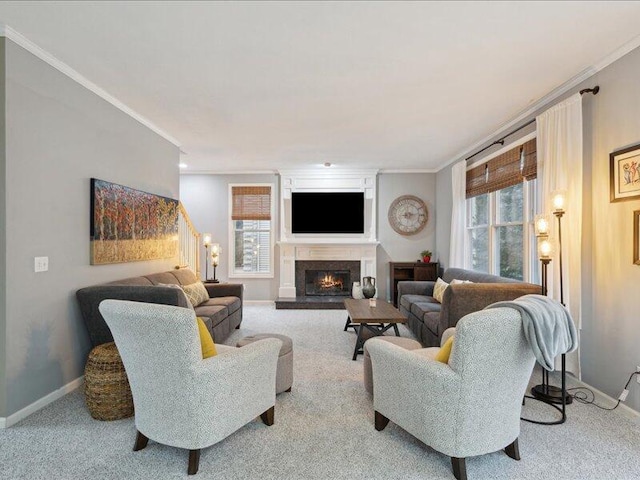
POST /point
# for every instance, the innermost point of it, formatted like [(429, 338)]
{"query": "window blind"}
[(251, 203), (510, 168)]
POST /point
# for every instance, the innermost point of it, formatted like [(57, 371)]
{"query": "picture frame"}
[(636, 237), (624, 172), (129, 225)]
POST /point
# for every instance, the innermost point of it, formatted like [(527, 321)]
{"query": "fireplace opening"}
[(327, 282)]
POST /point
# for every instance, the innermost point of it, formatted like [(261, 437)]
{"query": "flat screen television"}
[(327, 212)]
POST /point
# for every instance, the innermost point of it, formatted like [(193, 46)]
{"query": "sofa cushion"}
[(182, 293), (232, 303), (164, 277), (407, 300), (185, 276), (196, 293), (430, 322), (477, 277), (216, 313), (420, 308), (438, 289)]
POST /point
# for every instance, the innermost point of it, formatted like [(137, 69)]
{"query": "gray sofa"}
[(222, 313), (428, 319)]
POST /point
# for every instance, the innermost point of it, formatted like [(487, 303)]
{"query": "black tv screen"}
[(327, 212)]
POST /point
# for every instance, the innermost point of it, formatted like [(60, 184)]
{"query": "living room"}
[(63, 126)]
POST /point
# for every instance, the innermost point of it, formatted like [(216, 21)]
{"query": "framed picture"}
[(129, 225), (625, 174), (636, 237)]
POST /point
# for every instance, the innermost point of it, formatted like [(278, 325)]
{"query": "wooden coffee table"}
[(376, 319)]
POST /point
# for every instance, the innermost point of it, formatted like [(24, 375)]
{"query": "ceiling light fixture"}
[(327, 164)]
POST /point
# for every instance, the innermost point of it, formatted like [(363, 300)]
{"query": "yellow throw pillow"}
[(438, 289), (206, 341), (196, 293), (445, 351)]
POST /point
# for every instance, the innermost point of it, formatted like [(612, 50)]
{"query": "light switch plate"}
[(41, 264)]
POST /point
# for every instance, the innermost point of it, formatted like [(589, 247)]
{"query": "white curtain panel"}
[(559, 149), (458, 215)]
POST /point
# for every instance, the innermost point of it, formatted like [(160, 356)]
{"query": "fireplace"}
[(327, 282), (326, 278)]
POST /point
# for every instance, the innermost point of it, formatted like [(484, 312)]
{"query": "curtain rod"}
[(593, 90)]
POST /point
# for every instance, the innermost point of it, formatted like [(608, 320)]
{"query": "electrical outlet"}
[(41, 264)]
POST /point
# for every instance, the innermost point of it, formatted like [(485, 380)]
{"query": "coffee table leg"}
[(359, 341), (395, 328), (348, 324)]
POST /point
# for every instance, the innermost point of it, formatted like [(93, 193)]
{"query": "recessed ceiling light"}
[(327, 164), (182, 165)]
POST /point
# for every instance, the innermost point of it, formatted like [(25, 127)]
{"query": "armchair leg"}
[(513, 450), (194, 461), (267, 417), (380, 421), (141, 442), (459, 468)]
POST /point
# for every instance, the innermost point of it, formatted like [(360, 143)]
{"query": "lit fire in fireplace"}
[(329, 282)]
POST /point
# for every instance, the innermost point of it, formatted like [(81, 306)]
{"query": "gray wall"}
[(610, 333), (3, 236), (206, 199), (393, 246), (59, 135)]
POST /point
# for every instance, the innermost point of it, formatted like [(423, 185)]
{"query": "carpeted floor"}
[(323, 430)]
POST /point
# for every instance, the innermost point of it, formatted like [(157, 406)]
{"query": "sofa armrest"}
[(89, 299), (225, 289), (461, 299), (413, 287)]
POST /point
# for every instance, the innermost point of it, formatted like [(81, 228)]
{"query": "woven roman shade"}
[(251, 203), (504, 170)]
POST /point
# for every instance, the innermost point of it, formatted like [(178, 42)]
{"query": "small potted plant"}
[(426, 256)]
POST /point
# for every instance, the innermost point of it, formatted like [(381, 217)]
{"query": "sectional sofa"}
[(428, 319)]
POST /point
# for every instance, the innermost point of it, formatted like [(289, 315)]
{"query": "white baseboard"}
[(259, 302), (6, 422)]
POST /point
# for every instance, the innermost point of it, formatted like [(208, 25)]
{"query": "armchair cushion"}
[(445, 351), (206, 341)]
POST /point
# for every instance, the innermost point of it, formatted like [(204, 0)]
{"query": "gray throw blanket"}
[(548, 326)]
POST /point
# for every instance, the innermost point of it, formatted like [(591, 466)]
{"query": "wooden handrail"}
[(187, 218), (189, 242)]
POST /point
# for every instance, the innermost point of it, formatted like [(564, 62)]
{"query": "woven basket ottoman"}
[(406, 343), (106, 387), (284, 370)]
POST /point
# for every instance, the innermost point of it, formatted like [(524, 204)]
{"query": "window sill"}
[(251, 275)]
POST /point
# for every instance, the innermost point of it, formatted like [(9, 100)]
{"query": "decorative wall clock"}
[(408, 215)]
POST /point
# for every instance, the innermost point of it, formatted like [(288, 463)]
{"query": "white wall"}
[(3, 237), (58, 136), (206, 199)]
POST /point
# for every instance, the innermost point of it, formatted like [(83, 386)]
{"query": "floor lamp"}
[(206, 241), (545, 392), (215, 260)]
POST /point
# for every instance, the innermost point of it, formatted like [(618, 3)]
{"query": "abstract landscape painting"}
[(129, 225)]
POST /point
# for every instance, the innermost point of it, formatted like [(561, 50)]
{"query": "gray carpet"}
[(323, 430)]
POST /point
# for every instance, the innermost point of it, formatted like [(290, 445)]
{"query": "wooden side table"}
[(401, 271)]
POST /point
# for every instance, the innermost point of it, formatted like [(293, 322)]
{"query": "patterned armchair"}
[(180, 399), (470, 406)]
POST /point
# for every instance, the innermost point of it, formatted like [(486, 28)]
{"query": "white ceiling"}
[(264, 86)]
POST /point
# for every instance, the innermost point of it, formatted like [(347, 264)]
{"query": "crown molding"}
[(218, 172), (21, 40), (409, 170)]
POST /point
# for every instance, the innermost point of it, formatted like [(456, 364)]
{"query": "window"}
[(500, 212), (251, 229)]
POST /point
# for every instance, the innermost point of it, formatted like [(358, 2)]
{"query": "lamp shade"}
[(541, 225), (206, 239), (545, 248), (559, 200)]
